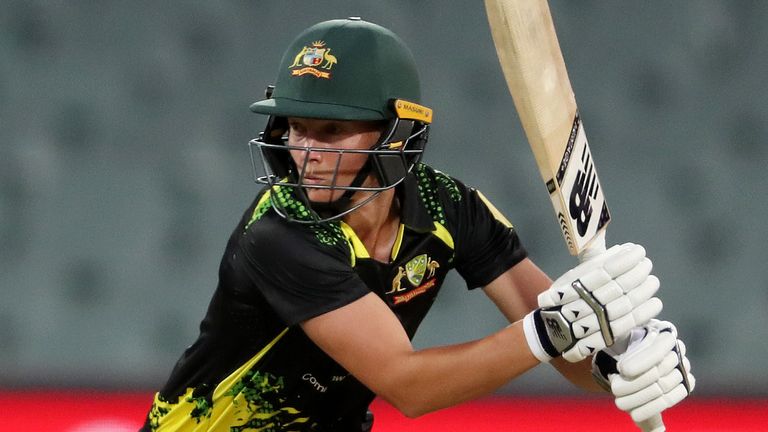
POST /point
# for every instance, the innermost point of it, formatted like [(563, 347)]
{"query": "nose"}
[(306, 155)]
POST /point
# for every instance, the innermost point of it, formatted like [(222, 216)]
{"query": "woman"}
[(334, 265)]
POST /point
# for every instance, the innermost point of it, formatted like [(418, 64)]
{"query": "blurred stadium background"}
[(124, 167)]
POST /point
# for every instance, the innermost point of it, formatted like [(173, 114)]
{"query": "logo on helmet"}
[(315, 59)]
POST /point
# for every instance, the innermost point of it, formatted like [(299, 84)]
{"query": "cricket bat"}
[(533, 66)]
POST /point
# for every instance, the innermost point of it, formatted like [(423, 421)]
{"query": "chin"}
[(322, 195)]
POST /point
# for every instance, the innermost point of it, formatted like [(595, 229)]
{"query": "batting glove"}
[(650, 375), (593, 304)]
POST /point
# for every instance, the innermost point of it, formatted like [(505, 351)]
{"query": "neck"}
[(376, 224)]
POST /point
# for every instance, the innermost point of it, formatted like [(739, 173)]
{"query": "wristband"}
[(541, 348)]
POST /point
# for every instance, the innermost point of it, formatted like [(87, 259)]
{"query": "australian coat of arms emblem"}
[(315, 59)]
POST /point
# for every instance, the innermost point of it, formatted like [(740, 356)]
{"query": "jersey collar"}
[(414, 214)]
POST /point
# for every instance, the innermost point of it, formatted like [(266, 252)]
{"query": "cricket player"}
[(330, 271)]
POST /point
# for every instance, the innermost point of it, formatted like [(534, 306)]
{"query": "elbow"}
[(410, 410), (413, 411), (413, 391), (408, 405)]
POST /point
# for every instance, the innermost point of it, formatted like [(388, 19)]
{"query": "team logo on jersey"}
[(315, 59), (415, 269), (420, 273)]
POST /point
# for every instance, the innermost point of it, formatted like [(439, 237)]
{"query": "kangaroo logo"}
[(314, 59), (397, 286)]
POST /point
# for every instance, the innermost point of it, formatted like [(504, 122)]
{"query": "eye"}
[(296, 128), (333, 129)]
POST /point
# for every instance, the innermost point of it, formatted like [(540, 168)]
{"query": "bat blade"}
[(533, 66), (532, 62)]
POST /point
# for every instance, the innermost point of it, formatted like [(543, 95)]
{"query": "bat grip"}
[(653, 424), (595, 247)]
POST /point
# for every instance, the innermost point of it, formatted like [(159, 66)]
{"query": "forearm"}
[(436, 378), (377, 351)]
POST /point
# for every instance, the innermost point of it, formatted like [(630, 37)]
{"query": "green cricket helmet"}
[(346, 69)]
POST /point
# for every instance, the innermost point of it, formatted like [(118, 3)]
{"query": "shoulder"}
[(431, 180), (484, 241), (264, 234), (453, 191), (439, 193), (302, 270), (274, 236)]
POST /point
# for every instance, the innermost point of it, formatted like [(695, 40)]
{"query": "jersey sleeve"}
[(302, 273), (487, 244)]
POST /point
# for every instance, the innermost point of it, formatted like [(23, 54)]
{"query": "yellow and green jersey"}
[(253, 369)]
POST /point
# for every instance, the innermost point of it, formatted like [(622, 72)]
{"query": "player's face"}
[(331, 168)]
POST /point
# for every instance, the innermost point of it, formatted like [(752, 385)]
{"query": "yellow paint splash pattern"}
[(247, 400)]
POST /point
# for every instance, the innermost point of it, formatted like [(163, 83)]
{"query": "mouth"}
[(313, 180)]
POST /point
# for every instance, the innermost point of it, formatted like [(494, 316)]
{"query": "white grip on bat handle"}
[(595, 247), (653, 424)]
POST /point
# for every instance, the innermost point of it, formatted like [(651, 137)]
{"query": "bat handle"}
[(597, 246), (653, 424)]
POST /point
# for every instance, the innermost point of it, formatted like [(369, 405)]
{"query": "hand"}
[(593, 304), (650, 374)]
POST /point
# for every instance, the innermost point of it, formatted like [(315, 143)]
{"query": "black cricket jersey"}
[(252, 367)]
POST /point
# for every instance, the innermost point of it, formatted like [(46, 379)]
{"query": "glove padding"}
[(594, 303), (650, 374)]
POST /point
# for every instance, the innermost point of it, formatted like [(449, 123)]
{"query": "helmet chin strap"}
[(342, 203)]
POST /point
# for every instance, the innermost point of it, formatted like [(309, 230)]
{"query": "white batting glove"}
[(593, 304), (650, 375)]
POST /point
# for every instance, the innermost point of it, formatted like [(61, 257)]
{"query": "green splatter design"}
[(256, 389), (449, 184), (202, 408), (155, 414), (285, 200), (292, 206), (328, 233), (259, 211), (428, 183), (254, 384)]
